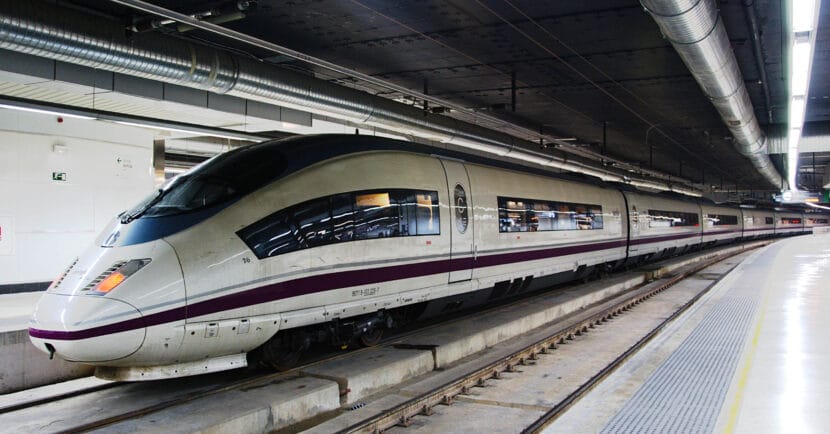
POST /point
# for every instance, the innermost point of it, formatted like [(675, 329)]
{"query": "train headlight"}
[(115, 275)]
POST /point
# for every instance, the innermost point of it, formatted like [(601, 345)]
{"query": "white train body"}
[(720, 224), (339, 236), (758, 223), (789, 223), (661, 225), (815, 220)]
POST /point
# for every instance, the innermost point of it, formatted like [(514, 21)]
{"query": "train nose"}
[(86, 329)]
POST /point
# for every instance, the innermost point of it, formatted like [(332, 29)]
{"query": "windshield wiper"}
[(127, 217)]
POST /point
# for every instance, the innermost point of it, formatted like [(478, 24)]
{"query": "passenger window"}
[(426, 214), (342, 212), (342, 218), (660, 219), (377, 216), (313, 223), (271, 236), (530, 215)]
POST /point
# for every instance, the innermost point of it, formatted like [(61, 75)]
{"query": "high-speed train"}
[(265, 249)]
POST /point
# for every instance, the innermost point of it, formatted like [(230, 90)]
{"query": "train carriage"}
[(814, 220), (721, 224), (661, 226), (528, 226), (758, 223), (788, 222)]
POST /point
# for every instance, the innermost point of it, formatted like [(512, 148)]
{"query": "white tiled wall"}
[(44, 224)]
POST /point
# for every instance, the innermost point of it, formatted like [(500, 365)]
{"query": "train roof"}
[(299, 152), (302, 151)]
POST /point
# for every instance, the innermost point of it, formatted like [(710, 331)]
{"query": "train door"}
[(462, 241)]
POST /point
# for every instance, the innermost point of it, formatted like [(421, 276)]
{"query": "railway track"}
[(402, 415), (217, 382)]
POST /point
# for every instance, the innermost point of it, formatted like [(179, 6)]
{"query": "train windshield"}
[(222, 178)]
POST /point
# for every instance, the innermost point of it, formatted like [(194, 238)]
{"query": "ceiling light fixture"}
[(45, 112), (803, 23)]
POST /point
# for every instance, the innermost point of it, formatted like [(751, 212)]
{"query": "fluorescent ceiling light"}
[(45, 112), (801, 67), (803, 11), (797, 105), (803, 28), (186, 131)]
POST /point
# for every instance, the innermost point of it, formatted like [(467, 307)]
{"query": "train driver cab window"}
[(218, 180), (343, 218)]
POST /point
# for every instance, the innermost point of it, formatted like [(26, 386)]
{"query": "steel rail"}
[(402, 414), (53, 398), (551, 415), (242, 383)]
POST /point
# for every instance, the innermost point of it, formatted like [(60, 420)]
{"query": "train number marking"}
[(246, 260), (365, 292)]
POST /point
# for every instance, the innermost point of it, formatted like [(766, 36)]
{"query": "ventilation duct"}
[(66, 35), (698, 35)]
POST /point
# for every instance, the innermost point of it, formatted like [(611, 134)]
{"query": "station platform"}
[(23, 365), (16, 309), (750, 356)]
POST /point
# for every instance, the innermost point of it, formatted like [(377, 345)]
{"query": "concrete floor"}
[(16, 309), (517, 399), (780, 379)]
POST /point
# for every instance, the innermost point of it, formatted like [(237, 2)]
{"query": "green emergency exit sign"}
[(59, 176)]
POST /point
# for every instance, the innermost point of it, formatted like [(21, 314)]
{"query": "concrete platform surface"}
[(23, 366), (463, 338), (44, 392), (510, 403), (255, 410), (366, 372), (16, 309), (751, 356)]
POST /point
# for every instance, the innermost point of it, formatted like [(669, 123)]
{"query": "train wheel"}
[(284, 352), (371, 337)]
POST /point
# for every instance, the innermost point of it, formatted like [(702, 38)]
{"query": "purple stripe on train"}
[(326, 282)]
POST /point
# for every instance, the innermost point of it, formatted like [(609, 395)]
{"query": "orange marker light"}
[(110, 282)]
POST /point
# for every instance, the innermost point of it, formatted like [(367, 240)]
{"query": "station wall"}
[(62, 180)]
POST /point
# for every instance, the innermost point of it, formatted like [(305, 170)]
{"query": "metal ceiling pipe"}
[(698, 35), (67, 35)]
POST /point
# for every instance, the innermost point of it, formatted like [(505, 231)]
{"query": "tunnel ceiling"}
[(597, 73)]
